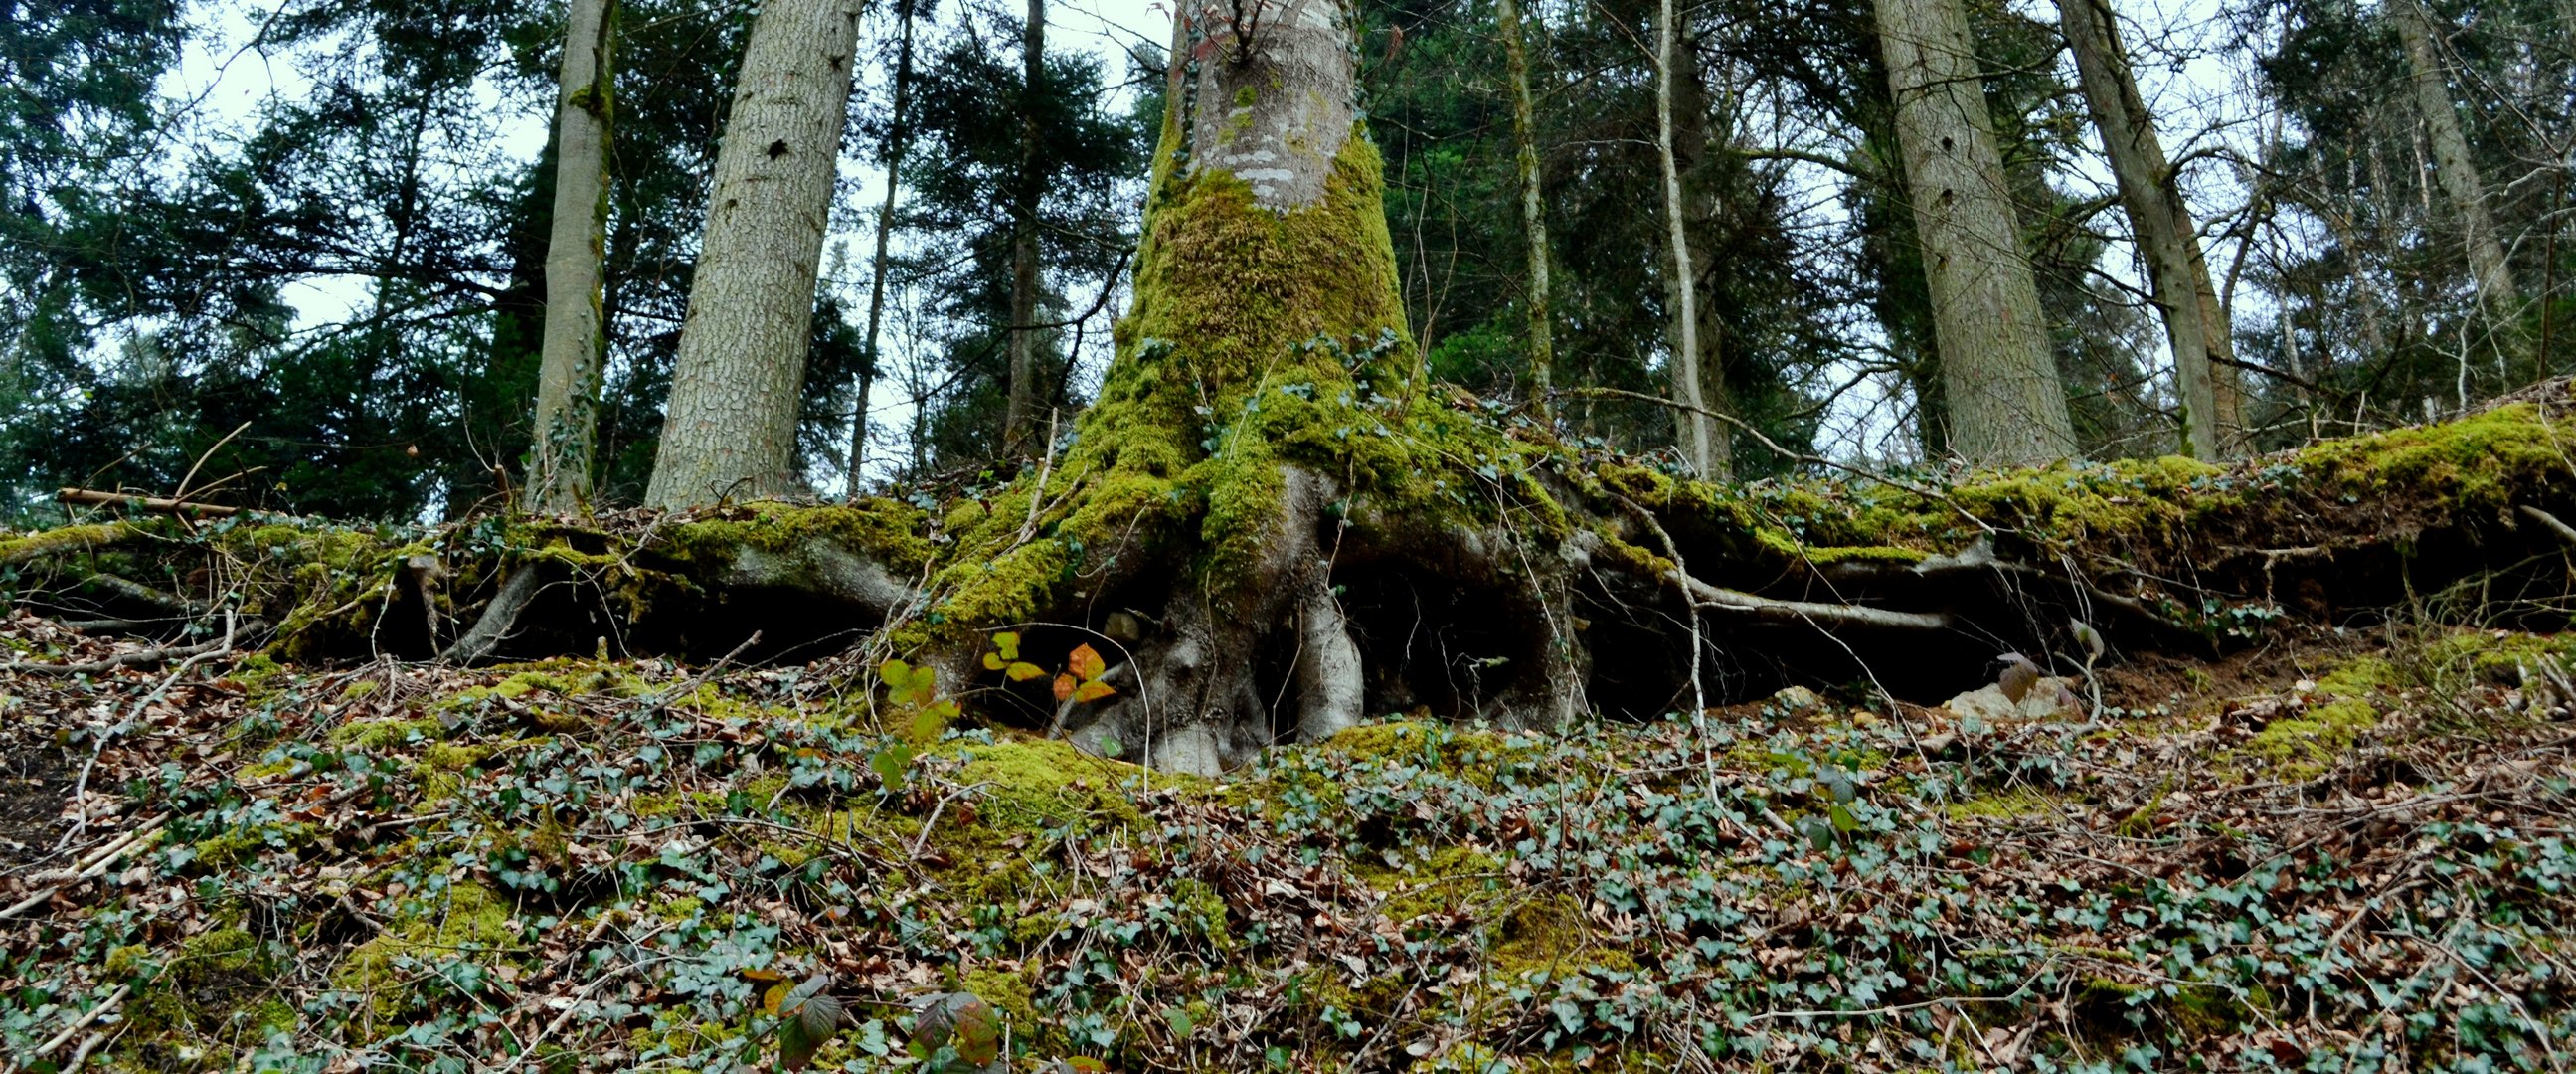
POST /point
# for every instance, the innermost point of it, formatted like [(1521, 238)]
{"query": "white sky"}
[(2199, 94)]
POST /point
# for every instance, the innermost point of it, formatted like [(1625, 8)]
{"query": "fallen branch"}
[(2563, 530), (1795, 612), (137, 658), (154, 504), (112, 1002), (89, 867)]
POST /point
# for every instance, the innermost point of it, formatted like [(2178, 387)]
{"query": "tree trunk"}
[(1698, 432), (576, 332), (1021, 414), (1542, 330), (2169, 244), (731, 426), (2000, 381), (2452, 166), (898, 138)]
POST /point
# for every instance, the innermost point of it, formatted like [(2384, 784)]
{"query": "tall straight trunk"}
[(2452, 168), (2151, 193), (1701, 134), (1698, 432), (1542, 332), (731, 427), (2005, 404), (1021, 414), (898, 139), (576, 332)]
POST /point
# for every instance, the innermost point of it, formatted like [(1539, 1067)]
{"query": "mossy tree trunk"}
[(1536, 304), (730, 429), (2006, 405), (576, 330)]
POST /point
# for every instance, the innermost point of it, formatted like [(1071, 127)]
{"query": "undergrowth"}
[(605, 865)]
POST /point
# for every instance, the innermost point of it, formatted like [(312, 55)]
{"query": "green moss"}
[(238, 844), (1202, 909), (1475, 755), (1548, 934), (1005, 991), (1032, 784), (214, 990), (2006, 805), (461, 922), (2359, 678), (1455, 877), (891, 533), (387, 733), (66, 539), (2300, 747), (2477, 461)]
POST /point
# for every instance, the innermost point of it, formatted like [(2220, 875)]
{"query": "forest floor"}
[(2341, 850)]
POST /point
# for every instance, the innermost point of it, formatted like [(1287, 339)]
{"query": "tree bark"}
[(1698, 433), (2168, 242), (1542, 331), (576, 333), (898, 139), (2452, 166), (731, 426), (2000, 381), (1020, 415)]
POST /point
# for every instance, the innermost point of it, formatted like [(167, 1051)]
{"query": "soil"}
[(34, 782)]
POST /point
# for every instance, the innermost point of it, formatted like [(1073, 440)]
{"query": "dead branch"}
[(1811, 613), (2563, 530), (137, 658), (154, 504)]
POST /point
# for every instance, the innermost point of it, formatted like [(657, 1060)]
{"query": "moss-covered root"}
[(1194, 705)]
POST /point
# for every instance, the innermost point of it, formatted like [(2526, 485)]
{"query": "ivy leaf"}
[(1065, 685), (895, 673), (1024, 671), (1093, 691), (891, 763), (992, 661), (1007, 643), (1085, 662)]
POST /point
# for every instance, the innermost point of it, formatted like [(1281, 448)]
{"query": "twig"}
[(113, 1000), (1037, 493), (123, 660), (924, 838), (2564, 531), (1766, 609), (690, 686), (154, 504)]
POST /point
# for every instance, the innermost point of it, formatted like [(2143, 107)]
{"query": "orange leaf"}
[(1093, 691), (1064, 686), (1085, 663)]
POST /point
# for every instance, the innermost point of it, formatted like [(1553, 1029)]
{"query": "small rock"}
[(1796, 699)]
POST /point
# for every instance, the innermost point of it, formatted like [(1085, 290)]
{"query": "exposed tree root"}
[(1581, 584)]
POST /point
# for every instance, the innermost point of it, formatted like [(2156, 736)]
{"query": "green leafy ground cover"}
[(2331, 857)]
